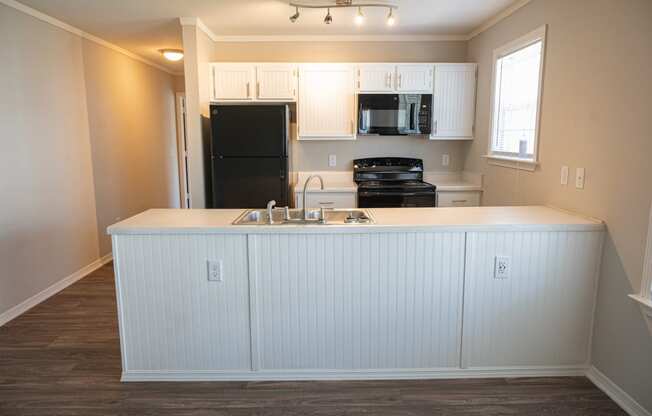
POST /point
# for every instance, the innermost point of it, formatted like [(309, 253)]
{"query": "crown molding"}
[(76, 31), (196, 21), (497, 18)]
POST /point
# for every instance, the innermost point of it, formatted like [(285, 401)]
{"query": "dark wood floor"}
[(63, 358)]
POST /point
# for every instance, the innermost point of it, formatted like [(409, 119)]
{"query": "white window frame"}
[(514, 46), (644, 297)]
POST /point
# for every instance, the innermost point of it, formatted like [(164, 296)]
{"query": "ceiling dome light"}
[(359, 18), (172, 54), (390, 18), (328, 19), (295, 16)]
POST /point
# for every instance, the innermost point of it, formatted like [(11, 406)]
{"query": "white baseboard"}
[(317, 374), (618, 395), (52, 290)]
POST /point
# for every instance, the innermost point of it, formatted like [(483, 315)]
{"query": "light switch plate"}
[(215, 272), (445, 160), (501, 267), (332, 161), (579, 178), (564, 175)]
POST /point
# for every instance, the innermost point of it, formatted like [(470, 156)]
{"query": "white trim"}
[(645, 303), (498, 18), (644, 297), (512, 162), (196, 21), (341, 38), (618, 395), (65, 26), (319, 374), (29, 303), (498, 159)]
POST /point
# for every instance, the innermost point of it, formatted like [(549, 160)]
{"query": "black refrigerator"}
[(249, 155)]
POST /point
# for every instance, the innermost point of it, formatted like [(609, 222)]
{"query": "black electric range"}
[(388, 182)]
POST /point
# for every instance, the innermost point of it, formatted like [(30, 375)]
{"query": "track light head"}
[(390, 18), (328, 19), (359, 17), (295, 16)]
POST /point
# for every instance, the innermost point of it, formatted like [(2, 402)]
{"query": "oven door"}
[(383, 199)]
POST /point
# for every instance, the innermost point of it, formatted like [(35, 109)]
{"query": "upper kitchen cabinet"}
[(326, 104), (254, 82), (232, 81), (415, 78), (376, 78), (454, 102), (276, 82)]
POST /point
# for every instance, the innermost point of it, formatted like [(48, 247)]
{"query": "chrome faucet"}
[(270, 210), (305, 188)]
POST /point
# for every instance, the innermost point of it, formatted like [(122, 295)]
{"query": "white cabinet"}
[(276, 82), (454, 102), (458, 198), (254, 82), (326, 199), (376, 77), (415, 78), (326, 104), (232, 81)]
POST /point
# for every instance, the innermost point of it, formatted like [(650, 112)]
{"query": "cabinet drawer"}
[(326, 199), (458, 199)]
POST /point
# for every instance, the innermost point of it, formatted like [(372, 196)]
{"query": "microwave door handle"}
[(412, 111)]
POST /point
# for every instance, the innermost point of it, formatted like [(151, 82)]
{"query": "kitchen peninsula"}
[(419, 293)]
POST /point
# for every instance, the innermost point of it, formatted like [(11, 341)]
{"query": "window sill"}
[(512, 162), (644, 303)]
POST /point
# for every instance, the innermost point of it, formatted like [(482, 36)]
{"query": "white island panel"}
[(358, 301)]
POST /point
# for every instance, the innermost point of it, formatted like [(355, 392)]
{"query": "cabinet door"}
[(327, 199), (458, 199), (454, 101), (382, 301), (414, 78), (233, 81), (326, 108), (376, 78), (276, 82)]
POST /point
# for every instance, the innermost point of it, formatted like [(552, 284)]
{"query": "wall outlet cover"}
[(332, 161), (564, 175), (579, 178), (445, 160), (215, 272), (501, 267)]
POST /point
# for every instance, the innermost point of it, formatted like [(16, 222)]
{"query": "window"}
[(516, 98), (645, 296)]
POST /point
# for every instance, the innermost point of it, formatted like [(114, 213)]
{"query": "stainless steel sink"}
[(332, 217)]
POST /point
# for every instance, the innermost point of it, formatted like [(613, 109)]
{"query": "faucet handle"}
[(322, 215), (286, 213)]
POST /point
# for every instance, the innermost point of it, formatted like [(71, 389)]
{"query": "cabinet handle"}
[(326, 203), (352, 128), (214, 89), (459, 201), (390, 80), (435, 127), (258, 89), (247, 90), (400, 80)]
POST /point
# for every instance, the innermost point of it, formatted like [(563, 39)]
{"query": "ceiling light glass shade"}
[(172, 54), (391, 21), (295, 16), (359, 17), (328, 19)]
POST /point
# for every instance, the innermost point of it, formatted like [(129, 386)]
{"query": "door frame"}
[(182, 150)]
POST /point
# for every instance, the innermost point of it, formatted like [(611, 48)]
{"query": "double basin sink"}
[(296, 217)]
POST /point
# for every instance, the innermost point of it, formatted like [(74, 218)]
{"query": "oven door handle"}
[(366, 193)]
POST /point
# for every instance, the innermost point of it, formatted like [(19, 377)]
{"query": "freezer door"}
[(249, 182), (249, 130)]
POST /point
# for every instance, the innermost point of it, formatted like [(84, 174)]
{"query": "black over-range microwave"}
[(394, 114)]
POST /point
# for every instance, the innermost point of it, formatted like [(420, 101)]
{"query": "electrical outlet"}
[(564, 175), (215, 273), (332, 161), (579, 178), (501, 267), (445, 160)]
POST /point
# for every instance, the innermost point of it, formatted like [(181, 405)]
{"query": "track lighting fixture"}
[(295, 16), (328, 19), (359, 17)]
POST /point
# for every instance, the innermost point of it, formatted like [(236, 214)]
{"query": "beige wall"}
[(596, 108), (132, 124), (47, 215), (71, 112), (313, 155)]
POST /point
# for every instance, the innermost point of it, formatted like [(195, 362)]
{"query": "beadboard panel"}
[(541, 315), (358, 301), (171, 317)]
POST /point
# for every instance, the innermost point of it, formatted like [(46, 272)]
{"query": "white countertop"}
[(214, 221)]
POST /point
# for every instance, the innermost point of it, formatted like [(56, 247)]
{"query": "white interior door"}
[(182, 151)]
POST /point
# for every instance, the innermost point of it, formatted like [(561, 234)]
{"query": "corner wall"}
[(597, 97)]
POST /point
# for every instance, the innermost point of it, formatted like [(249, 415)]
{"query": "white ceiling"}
[(145, 26)]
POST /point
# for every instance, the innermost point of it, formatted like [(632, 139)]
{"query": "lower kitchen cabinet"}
[(458, 198), (326, 199), (357, 301)]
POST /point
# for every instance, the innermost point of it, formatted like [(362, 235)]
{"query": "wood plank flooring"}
[(63, 358)]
